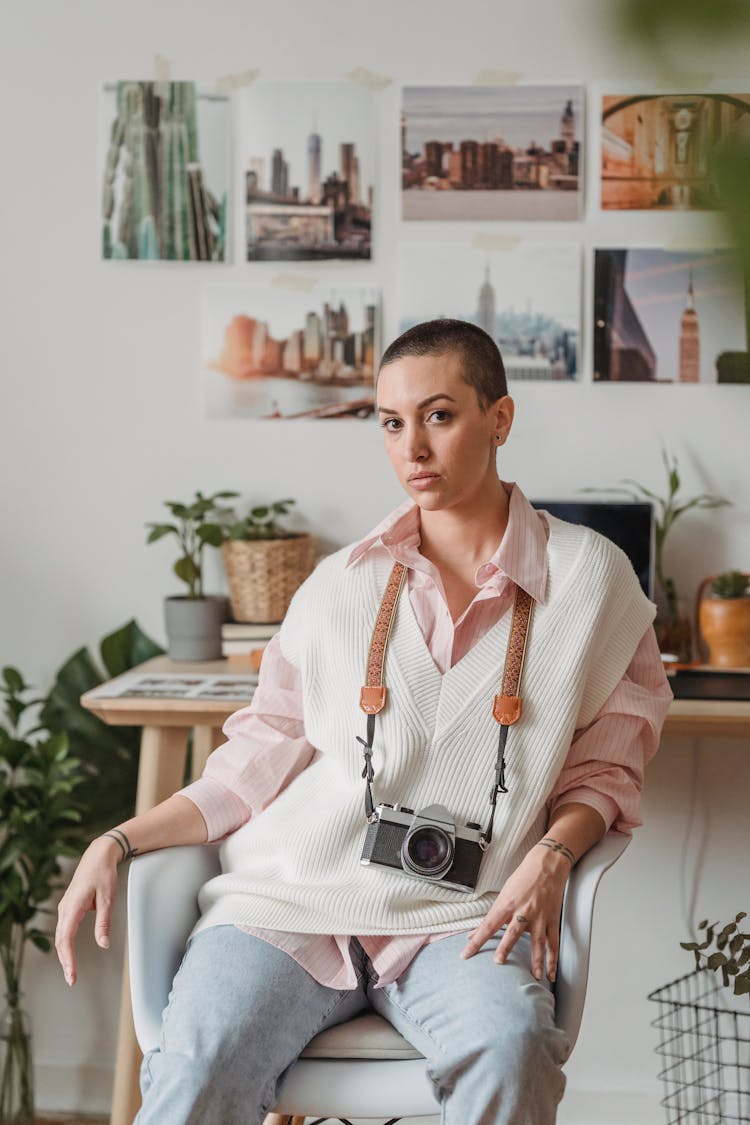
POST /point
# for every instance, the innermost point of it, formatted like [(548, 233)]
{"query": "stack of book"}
[(244, 642)]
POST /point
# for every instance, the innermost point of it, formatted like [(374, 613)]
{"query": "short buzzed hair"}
[(481, 367)]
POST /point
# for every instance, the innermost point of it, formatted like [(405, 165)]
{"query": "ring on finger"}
[(522, 919)]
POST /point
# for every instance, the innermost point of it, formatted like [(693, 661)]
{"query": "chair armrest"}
[(162, 910), (575, 930)]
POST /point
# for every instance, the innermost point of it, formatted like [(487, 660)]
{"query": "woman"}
[(298, 934)]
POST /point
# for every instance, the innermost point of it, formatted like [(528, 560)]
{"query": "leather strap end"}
[(372, 699), (506, 709)]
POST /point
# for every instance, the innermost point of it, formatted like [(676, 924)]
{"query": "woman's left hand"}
[(531, 900)]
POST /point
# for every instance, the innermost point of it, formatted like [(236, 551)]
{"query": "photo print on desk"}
[(657, 149), (308, 169), (527, 297), (272, 352), (491, 152), (164, 171), (663, 316)]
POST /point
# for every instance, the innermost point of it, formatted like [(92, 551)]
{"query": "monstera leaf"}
[(110, 754)]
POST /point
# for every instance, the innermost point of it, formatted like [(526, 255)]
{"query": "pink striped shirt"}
[(266, 745)]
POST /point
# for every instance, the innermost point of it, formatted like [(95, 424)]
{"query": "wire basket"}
[(705, 1042)]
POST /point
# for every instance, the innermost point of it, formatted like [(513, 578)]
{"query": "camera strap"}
[(506, 705)]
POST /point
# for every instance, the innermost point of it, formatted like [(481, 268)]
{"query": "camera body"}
[(424, 845)]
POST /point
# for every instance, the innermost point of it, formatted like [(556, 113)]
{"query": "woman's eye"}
[(391, 424), (439, 416)]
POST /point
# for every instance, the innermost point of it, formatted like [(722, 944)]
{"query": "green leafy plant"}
[(731, 584), (731, 956), (193, 529), (40, 821), (109, 753), (261, 523), (668, 509)]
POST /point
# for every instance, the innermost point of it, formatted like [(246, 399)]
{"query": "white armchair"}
[(362, 1068)]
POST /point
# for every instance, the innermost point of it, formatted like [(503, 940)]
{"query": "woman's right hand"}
[(93, 887)]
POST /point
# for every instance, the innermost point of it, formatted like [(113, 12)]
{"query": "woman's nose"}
[(416, 447)]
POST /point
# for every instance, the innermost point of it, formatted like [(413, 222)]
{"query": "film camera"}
[(425, 845)]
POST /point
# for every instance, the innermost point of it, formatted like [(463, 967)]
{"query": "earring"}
[(499, 439)]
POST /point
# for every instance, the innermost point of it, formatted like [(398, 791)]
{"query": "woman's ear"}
[(503, 412)]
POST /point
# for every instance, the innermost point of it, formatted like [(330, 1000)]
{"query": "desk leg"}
[(205, 739), (161, 768)]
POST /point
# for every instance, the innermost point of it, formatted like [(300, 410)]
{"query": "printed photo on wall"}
[(308, 171), (667, 317), (165, 171), (657, 148), (527, 297), (276, 352), (491, 152)]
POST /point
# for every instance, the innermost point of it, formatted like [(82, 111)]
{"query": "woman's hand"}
[(93, 887), (531, 900)]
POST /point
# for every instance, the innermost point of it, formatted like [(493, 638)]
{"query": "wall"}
[(102, 419)]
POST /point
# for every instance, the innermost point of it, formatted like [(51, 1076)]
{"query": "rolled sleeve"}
[(605, 766), (266, 749)]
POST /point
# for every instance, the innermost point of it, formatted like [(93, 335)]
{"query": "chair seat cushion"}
[(366, 1037)]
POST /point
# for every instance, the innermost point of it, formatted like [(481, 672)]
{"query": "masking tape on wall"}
[(680, 80), (494, 242), (299, 281), (497, 78), (236, 81), (162, 69), (368, 78)]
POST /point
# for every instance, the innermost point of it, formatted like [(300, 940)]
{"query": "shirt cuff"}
[(221, 808), (604, 805)]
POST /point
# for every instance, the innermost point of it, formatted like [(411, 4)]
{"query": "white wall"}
[(101, 420)]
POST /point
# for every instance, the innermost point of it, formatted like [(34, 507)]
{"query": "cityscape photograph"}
[(666, 317), (270, 352), (527, 298), (657, 148), (308, 171), (490, 152)]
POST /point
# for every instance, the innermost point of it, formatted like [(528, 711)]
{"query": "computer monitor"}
[(631, 525)]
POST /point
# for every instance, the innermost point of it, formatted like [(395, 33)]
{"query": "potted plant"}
[(672, 625), (39, 822), (265, 563), (724, 619), (193, 620)]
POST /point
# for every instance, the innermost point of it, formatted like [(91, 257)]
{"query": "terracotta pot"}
[(725, 627)]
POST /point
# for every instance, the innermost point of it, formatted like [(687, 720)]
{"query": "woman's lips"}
[(423, 480)]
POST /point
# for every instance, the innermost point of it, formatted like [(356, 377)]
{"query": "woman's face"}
[(440, 442)]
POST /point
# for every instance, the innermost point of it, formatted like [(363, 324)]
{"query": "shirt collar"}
[(521, 555)]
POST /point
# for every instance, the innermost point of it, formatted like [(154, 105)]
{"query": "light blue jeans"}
[(241, 1011)]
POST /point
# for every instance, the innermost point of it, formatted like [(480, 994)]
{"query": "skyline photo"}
[(527, 298), (273, 353), (669, 317), (308, 170), (483, 152)]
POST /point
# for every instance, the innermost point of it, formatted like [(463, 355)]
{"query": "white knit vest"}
[(296, 866)]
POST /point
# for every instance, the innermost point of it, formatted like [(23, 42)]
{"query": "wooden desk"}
[(166, 725)]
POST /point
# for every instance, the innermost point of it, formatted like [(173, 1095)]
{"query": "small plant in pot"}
[(724, 618), (673, 626), (193, 620), (265, 562)]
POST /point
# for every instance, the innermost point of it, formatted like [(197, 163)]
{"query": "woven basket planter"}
[(263, 575)]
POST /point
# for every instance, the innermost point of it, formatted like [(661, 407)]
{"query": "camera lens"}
[(428, 850)]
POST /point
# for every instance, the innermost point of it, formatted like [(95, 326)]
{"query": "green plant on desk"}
[(261, 522), (39, 822), (194, 528)]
